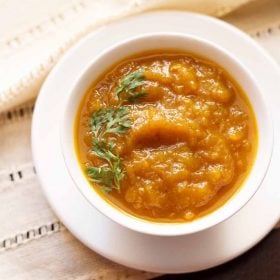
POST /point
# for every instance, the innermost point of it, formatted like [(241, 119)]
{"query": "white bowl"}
[(185, 43)]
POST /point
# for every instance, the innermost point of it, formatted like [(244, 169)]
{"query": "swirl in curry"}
[(167, 137)]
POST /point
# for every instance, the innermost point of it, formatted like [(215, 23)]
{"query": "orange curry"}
[(186, 143)]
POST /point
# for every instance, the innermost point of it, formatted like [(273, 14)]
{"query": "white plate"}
[(158, 254)]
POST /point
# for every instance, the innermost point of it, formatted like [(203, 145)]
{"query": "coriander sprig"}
[(126, 90), (110, 174), (110, 121)]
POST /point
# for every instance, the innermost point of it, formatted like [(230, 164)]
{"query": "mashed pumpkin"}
[(192, 140)]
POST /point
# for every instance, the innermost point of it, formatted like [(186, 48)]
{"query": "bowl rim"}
[(121, 216)]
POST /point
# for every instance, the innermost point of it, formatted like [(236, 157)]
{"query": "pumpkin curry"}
[(166, 136)]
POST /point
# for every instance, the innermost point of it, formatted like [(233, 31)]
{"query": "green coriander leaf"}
[(97, 121), (103, 150), (114, 120), (129, 84), (121, 123), (101, 175)]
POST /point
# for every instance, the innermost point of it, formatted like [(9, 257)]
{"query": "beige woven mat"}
[(33, 242), (35, 34)]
